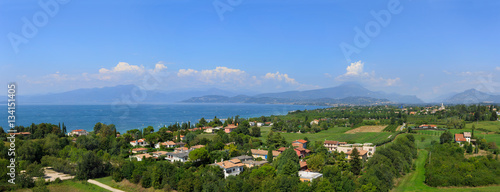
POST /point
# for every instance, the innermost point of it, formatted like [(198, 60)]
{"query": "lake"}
[(127, 117)]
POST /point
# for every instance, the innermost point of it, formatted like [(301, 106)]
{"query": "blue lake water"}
[(131, 117)]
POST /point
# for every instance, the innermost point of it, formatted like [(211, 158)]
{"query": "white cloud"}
[(497, 68), (280, 77), (219, 74), (158, 68), (355, 72), (123, 67), (355, 69)]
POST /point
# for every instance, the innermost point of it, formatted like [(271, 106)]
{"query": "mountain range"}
[(472, 96), (348, 93)]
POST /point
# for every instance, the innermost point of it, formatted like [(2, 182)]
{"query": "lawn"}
[(489, 137), (415, 180), (125, 185), (488, 125), (71, 185), (336, 133)]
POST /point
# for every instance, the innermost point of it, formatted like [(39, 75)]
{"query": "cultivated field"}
[(414, 181), (364, 129), (335, 133)]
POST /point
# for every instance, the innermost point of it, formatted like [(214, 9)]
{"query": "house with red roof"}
[(302, 152), (78, 132), (459, 138), (140, 142), (300, 143), (230, 128)]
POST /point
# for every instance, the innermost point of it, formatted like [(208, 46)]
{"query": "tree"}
[(190, 137), (91, 166), (152, 138), (356, 163), (288, 162), (148, 130), (255, 131), (270, 156), (494, 116), (203, 122), (243, 128), (446, 137), (199, 156), (316, 162)]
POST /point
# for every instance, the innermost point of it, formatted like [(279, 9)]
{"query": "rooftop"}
[(309, 175)]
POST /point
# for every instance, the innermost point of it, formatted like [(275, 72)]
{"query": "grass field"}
[(414, 181), (488, 125), (71, 185), (491, 137), (125, 185), (336, 133)]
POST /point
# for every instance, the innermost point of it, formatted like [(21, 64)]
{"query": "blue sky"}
[(427, 48)]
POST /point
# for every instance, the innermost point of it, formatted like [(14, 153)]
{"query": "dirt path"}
[(104, 186)]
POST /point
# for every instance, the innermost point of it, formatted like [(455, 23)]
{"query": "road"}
[(104, 186), (402, 127)]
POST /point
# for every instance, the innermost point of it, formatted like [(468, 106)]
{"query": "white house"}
[(309, 176), (231, 167), (177, 156), (140, 142), (252, 123), (78, 132), (467, 136), (166, 144), (259, 124), (370, 148)]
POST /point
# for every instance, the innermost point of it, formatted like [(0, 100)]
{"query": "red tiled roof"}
[(303, 164), (231, 126), (331, 142), (300, 141), (361, 152), (460, 137), (78, 130), (303, 149), (139, 149), (281, 149), (20, 133)]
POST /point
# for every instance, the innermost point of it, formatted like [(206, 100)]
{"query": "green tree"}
[(270, 156), (199, 156), (446, 137), (91, 166), (288, 162), (255, 131), (316, 162), (494, 116), (243, 128), (356, 163), (148, 130)]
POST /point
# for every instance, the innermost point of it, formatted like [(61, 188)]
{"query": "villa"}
[(78, 132), (231, 167)]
